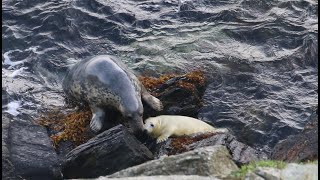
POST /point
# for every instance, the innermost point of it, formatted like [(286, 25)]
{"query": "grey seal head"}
[(104, 81)]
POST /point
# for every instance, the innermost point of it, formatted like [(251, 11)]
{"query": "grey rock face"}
[(268, 173), (299, 171), (292, 171), (208, 161), (28, 153), (108, 152), (7, 170), (240, 152)]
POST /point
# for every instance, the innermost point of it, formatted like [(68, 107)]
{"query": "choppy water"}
[(261, 56)]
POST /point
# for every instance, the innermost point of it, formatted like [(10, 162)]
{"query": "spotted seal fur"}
[(104, 81)]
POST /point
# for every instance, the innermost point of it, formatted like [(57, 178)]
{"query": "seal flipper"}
[(152, 101), (162, 138), (98, 116)]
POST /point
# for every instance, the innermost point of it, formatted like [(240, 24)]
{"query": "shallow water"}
[(260, 56)]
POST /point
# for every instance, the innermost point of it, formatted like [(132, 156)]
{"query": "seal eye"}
[(151, 125)]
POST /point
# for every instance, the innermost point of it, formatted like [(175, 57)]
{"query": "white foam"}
[(7, 60), (13, 108), (17, 72), (34, 49)]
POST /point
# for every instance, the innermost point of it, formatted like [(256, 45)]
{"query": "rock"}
[(171, 177), (108, 152), (268, 173), (179, 94), (300, 171), (292, 171), (241, 153), (28, 153), (7, 167), (253, 176), (209, 161), (301, 147)]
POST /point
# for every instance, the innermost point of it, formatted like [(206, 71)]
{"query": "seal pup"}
[(164, 126), (103, 82)]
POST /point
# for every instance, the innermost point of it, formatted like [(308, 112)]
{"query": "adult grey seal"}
[(104, 81)]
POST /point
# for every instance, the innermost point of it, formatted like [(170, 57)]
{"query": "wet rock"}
[(301, 147), (29, 152), (240, 152), (108, 152), (209, 161), (179, 94)]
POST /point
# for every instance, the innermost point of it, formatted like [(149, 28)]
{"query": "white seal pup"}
[(103, 82), (164, 126)]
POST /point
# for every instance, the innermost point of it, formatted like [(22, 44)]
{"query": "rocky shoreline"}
[(28, 151)]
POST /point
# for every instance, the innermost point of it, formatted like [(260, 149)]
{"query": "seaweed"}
[(179, 144), (187, 81), (72, 126)]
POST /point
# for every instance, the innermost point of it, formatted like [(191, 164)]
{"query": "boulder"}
[(300, 147), (28, 153), (292, 171), (240, 152), (179, 94), (208, 161), (112, 150), (300, 171)]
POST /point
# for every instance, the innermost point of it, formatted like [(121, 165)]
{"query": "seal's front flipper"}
[(152, 101), (97, 120), (162, 138)]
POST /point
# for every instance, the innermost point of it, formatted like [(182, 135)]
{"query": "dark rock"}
[(301, 147), (177, 101), (240, 152), (7, 167), (28, 153), (108, 152), (180, 95)]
